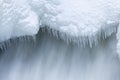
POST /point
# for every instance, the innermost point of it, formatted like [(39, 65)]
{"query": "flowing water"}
[(49, 58)]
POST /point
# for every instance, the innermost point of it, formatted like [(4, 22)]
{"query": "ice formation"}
[(80, 21), (84, 22)]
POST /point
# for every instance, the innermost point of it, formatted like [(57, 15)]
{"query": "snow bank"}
[(17, 19), (81, 21)]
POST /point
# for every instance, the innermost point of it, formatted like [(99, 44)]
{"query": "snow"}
[(81, 21), (17, 19)]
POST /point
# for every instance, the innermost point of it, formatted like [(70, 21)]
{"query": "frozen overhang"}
[(79, 21)]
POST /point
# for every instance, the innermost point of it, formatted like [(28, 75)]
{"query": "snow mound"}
[(17, 19), (80, 21)]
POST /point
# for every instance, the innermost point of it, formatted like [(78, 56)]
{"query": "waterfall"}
[(50, 58), (59, 40)]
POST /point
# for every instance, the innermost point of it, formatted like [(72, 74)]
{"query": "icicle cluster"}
[(84, 40), (83, 22), (24, 39)]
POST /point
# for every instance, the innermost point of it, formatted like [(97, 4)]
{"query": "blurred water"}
[(49, 58)]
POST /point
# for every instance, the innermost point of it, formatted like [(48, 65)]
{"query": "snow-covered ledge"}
[(80, 21)]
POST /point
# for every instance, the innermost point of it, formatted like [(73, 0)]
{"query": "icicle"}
[(4, 45), (83, 40)]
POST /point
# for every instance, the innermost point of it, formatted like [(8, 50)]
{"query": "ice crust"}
[(81, 21)]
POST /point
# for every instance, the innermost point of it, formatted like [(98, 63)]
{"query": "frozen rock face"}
[(80, 21)]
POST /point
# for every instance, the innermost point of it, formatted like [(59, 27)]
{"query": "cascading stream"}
[(49, 58)]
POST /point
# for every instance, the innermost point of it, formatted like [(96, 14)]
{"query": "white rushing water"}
[(49, 58)]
